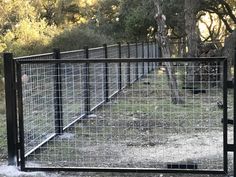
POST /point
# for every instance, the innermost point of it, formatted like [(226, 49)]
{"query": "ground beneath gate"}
[(14, 172)]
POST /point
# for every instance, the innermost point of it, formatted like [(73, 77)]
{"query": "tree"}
[(193, 38), (125, 20), (164, 43), (223, 8), (22, 30)]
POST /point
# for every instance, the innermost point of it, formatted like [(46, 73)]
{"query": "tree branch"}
[(229, 10)]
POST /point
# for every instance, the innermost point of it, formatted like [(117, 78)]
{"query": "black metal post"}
[(136, 68), (159, 54), (86, 83), (119, 68), (234, 82), (11, 113), (153, 54), (20, 117), (143, 64), (225, 117), (128, 66), (148, 55), (58, 94), (106, 73), (155, 44)]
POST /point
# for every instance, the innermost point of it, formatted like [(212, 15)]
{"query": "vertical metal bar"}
[(143, 65), (234, 82), (21, 118), (152, 54), (106, 73), (119, 68), (128, 65), (86, 83), (155, 44), (155, 54), (11, 117), (58, 94), (225, 117), (148, 55), (136, 68), (159, 54)]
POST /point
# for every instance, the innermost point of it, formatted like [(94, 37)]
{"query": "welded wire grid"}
[(96, 77), (146, 64), (37, 92), (140, 64), (76, 54), (38, 101), (133, 66), (141, 128), (113, 73), (72, 94)]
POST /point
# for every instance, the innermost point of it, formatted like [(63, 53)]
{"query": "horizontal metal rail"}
[(128, 170), (119, 60), (35, 56)]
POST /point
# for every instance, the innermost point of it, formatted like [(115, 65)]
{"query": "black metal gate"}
[(115, 113)]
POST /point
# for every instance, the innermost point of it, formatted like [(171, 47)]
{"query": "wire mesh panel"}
[(140, 64), (35, 86), (133, 66), (152, 53), (72, 84), (72, 92), (38, 101), (76, 54), (146, 65), (141, 127), (124, 66), (96, 77), (113, 52)]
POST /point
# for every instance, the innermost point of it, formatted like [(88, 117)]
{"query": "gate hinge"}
[(231, 148), (230, 84), (229, 121)]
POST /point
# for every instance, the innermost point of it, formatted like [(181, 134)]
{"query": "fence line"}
[(98, 84)]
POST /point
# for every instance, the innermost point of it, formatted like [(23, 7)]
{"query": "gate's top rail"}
[(119, 60)]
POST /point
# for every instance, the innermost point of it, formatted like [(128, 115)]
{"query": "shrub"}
[(77, 38)]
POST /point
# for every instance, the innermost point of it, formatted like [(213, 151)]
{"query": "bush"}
[(30, 36), (77, 38)]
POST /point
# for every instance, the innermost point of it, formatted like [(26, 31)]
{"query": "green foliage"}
[(125, 20), (29, 36), (77, 38), (174, 12), (107, 20), (137, 23)]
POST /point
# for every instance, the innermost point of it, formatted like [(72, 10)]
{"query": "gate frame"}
[(13, 85)]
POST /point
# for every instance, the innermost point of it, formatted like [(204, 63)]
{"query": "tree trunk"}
[(228, 51), (164, 43), (191, 27), (191, 9)]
